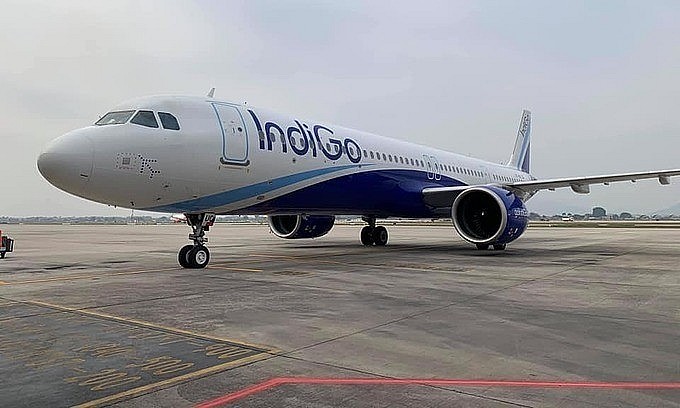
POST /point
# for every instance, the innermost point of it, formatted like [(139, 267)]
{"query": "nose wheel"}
[(196, 256), (372, 234)]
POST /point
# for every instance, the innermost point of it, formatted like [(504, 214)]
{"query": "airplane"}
[(203, 157)]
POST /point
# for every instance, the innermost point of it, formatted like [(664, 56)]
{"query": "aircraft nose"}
[(67, 161)]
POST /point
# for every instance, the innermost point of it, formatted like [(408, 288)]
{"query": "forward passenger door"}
[(234, 134)]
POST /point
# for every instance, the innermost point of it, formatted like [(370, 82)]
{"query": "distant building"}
[(599, 212), (626, 216)]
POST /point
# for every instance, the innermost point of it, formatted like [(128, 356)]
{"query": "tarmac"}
[(565, 317)]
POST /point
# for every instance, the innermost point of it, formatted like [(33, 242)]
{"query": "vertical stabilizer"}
[(522, 151)]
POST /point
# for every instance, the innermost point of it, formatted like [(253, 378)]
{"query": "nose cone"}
[(66, 162)]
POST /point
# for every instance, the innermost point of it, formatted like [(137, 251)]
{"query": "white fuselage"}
[(231, 158)]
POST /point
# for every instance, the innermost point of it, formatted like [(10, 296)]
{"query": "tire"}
[(182, 256), (2, 255), (482, 247), (198, 257), (367, 236), (380, 236), (499, 247)]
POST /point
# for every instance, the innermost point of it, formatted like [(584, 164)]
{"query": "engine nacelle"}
[(300, 226), (489, 215)]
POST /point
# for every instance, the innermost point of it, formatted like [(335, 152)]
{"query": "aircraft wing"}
[(581, 185), (444, 196)]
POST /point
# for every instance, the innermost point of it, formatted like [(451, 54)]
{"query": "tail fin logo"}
[(526, 122), (521, 152)]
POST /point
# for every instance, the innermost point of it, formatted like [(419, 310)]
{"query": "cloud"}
[(600, 78)]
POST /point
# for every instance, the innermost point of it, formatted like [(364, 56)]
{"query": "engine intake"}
[(489, 215), (300, 226)]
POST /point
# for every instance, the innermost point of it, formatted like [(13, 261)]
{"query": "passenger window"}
[(145, 118), (384, 157), (168, 121), (372, 156)]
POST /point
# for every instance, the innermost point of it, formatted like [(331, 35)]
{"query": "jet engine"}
[(489, 215), (300, 226)]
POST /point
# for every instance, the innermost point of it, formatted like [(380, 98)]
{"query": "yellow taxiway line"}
[(147, 324), (88, 276), (265, 351), (170, 381)]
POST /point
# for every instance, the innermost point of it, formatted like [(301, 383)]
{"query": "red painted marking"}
[(275, 382), (253, 389)]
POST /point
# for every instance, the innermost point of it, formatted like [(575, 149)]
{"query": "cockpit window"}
[(115, 118), (145, 118), (168, 121)]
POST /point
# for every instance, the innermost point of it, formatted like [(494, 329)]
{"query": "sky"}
[(600, 77)]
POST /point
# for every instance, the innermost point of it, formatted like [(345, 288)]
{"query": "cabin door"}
[(234, 135), (487, 175)]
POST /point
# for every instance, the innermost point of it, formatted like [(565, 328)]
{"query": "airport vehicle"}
[(6, 245), (201, 157)]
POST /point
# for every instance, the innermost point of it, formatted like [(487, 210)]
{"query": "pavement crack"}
[(460, 302)]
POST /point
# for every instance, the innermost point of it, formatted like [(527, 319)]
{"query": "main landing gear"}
[(497, 247), (197, 255), (372, 235)]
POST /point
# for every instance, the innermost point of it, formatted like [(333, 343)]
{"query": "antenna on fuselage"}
[(211, 94)]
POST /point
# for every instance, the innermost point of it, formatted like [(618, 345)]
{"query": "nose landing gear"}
[(197, 255), (372, 235)]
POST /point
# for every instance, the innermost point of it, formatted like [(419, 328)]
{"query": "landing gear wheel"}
[(182, 256), (198, 257), (380, 236), (499, 247), (482, 247), (367, 235)]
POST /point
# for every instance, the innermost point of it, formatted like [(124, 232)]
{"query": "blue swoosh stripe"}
[(242, 193)]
